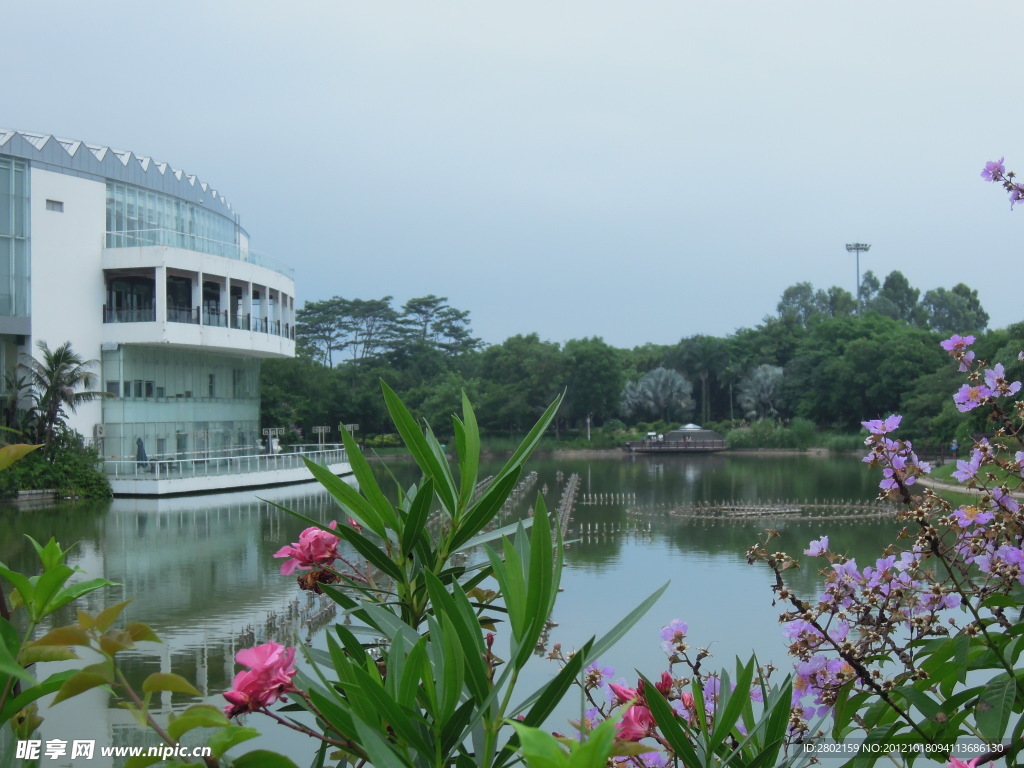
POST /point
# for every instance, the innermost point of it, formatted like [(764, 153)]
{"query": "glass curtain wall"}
[(137, 216), (179, 402), (14, 238)]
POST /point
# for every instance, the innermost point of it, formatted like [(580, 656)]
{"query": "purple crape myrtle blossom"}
[(966, 470), (882, 427), (994, 170), (969, 397), (818, 547), (970, 515), (957, 345), (1018, 459), (1004, 501), (995, 380), (673, 637)]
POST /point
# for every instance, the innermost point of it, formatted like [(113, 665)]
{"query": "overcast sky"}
[(640, 171)]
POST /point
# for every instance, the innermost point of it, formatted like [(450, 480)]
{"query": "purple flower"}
[(880, 427), (1015, 196), (994, 170), (971, 515), (995, 379), (1002, 500), (968, 398), (818, 547), (957, 342), (965, 470), (673, 636)]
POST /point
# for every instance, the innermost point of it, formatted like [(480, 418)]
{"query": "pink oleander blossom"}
[(269, 677), (315, 547), (954, 763), (636, 723)]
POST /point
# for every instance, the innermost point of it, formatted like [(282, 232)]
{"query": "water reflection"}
[(201, 570)]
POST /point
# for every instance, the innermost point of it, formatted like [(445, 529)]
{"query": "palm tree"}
[(55, 381), (758, 393), (703, 356)]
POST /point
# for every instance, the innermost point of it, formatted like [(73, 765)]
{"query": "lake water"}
[(201, 570)]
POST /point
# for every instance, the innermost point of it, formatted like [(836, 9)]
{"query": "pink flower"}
[(954, 763), (623, 694), (314, 547), (269, 677), (636, 723)]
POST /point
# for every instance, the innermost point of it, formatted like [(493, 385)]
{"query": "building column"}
[(160, 286)]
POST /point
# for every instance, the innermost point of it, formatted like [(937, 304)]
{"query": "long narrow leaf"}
[(368, 482), (421, 451), (348, 498)]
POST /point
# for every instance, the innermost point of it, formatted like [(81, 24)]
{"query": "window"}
[(113, 388), (213, 385), (56, 206)]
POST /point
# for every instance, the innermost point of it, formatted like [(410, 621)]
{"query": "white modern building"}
[(148, 270)]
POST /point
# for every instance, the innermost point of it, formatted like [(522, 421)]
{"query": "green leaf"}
[(109, 615), (69, 635), (197, 716), (348, 499), (168, 681), (34, 692), (367, 482), (467, 440), (673, 732), (79, 683), (36, 653), (541, 749), (421, 449), (414, 525), (140, 632), (992, 712), (262, 758), (229, 736), (76, 591)]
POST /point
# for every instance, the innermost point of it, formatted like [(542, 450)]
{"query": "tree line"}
[(819, 357)]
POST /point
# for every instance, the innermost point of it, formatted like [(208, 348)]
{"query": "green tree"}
[(661, 394), (955, 311), (760, 392), (594, 378), (897, 299), (60, 380), (702, 358)]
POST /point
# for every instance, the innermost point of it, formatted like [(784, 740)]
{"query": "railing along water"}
[(206, 465)]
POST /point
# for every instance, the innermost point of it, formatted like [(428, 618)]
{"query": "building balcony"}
[(169, 238), (198, 329)]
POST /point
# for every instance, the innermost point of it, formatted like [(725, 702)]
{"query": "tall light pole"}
[(857, 248)]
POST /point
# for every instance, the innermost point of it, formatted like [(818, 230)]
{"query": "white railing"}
[(169, 237), (203, 465)]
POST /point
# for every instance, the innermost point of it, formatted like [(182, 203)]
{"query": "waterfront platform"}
[(199, 474)]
